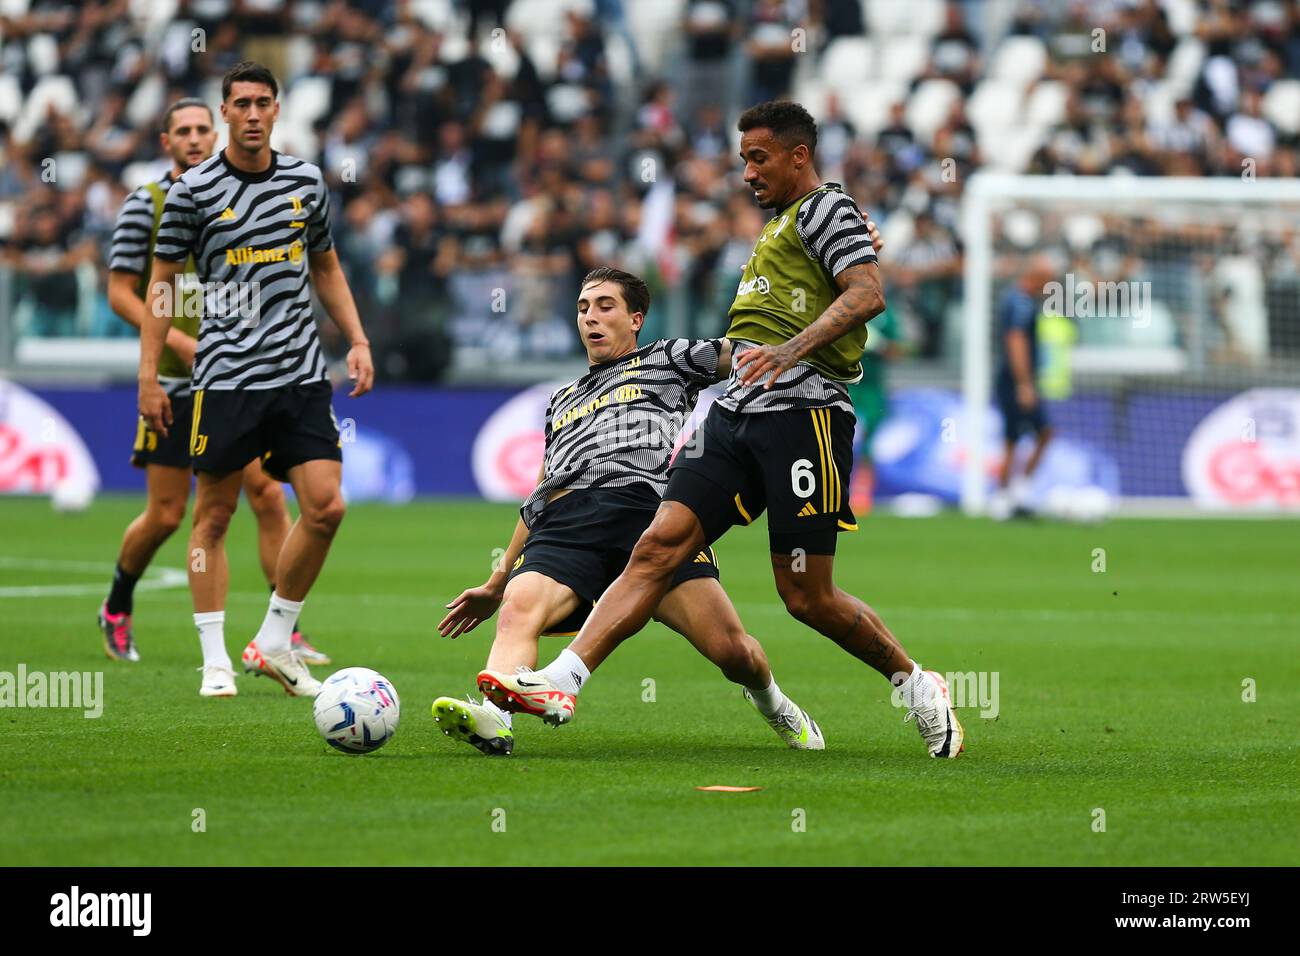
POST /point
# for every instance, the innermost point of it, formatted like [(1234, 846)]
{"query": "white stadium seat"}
[(846, 63), (890, 18), (995, 104), (929, 107), (308, 99), (147, 102), (1019, 59), (1046, 102), (56, 91), (870, 113), (11, 98), (902, 58), (1158, 103), (1185, 65), (43, 54), (1009, 149), (1281, 105)]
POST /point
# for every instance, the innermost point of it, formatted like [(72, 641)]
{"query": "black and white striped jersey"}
[(796, 388), (129, 251), (786, 285), (251, 234), (617, 425)]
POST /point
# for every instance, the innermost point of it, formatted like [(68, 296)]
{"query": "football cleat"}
[(793, 725), (218, 681), (478, 725), (310, 655), (527, 691), (285, 667), (936, 720), (119, 643)]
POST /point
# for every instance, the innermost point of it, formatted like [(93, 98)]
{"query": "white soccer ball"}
[(357, 710), (70, 496)]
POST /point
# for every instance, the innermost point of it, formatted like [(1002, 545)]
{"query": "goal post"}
[(1173, 298)]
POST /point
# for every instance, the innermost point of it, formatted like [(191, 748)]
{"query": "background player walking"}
[(257, 223), (187, 137)]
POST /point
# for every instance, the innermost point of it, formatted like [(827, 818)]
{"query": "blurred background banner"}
[(483, 155)]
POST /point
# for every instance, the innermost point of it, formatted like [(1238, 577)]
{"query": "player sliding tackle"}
[(779, 439), (609, 436)]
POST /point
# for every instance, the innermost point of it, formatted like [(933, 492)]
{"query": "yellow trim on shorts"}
[(194, 425), (743, 513), (821, 450)]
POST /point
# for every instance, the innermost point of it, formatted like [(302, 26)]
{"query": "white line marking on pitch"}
[(155, 579)]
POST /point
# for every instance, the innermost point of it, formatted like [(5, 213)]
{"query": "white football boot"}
[(793, 725), (286, 668), (527, 691), (218, 681), (935, 718)]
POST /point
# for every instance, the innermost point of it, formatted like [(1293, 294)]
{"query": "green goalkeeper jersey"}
[(788, 282)]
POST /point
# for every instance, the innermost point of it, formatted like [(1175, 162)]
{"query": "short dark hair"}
[(635, 293), (184, 102), (788, 121), (248, 72)]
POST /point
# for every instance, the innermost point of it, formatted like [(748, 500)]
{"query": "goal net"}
[(1168, 338)]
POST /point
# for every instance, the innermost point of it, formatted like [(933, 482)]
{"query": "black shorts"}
[(1017, 421), (282, 426), (793, 464), (584, 539), (171, 450)]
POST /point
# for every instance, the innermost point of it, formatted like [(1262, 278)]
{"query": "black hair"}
[(788, 121), (248, 72), (635, 293), (183, 103)]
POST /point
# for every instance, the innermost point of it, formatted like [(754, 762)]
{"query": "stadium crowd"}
[(484, 155)]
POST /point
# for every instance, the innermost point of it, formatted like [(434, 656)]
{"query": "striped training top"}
[(617, 425), (250, 234)]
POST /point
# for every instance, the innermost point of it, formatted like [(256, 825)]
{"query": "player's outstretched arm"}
[(155, 320), (473, 606), (332, 287), (861, 298)]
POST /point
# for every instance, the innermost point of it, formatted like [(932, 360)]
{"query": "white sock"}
[(1020, 489), (277, 626), (504, 714), (212, 638), (770, 701), (918, 689), (567, 671)]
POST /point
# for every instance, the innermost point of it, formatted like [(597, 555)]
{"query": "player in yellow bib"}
[(780, 439), (188, 137)]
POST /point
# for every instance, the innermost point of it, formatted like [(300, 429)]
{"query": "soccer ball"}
[(357, 710)]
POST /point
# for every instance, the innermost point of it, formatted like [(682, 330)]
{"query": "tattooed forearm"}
[(860, 300)]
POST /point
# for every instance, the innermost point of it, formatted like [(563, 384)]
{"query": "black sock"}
[(121, 597)]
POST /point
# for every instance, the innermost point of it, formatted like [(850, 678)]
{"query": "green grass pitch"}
[(1120, 691)]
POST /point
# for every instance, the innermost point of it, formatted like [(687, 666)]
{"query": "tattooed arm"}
[(861, 298)]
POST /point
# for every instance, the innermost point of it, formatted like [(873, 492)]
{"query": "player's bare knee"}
[(266, 499), (212, 523), (166, 516), (324, 518)]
